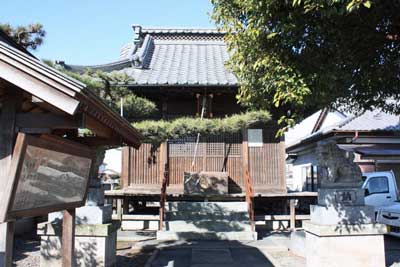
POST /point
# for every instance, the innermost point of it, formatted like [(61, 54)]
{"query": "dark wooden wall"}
[(141, 168), (172, 105)]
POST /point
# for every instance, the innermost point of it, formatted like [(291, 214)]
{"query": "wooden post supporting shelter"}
[(68, 238), (41, 111), (7, 135)]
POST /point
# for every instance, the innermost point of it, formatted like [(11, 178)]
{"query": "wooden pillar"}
[(164, 107), (119, 209), (210, 106), (126, 166), (10, 105), (125, 206), (198, 108), (68, 238), (163, 160), (292, 215), (245, 152)]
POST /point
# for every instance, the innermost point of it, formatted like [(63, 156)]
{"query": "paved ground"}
[(271, 251), (392, 250)]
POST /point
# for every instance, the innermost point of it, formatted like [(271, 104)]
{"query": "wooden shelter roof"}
[(48, 89)]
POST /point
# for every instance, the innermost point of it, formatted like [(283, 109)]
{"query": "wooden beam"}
[(68, 238), (97, 127), (48, 120), (94, 141), (7, 135)]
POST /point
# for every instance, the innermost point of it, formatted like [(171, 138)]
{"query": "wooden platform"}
[(149, 191)]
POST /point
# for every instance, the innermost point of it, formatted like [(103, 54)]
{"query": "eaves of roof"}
[(318, 136), (60, 90)]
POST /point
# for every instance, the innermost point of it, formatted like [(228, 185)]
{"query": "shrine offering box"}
[(48, 173)]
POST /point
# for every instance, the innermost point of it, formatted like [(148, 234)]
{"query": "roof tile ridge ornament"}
[(140, 55)]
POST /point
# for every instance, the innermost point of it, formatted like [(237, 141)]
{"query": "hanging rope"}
[(203, 110)]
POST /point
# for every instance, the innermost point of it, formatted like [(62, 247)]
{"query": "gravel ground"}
[(27, 254)]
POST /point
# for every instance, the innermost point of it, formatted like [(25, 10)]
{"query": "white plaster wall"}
[(298, 181), (298, 132), (113, 159)]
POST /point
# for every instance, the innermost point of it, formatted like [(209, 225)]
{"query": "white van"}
[(381, 191), (380, 188)]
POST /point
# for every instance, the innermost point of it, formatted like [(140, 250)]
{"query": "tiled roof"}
[(171, 57), (180, 30), (184, 63), (373, 121), (369, 121)]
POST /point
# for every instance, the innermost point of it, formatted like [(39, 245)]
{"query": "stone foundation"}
[(95, 245), (353, 245)]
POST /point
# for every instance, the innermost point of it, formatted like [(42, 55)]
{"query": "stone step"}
[(198, 216), (127, 225), (211, 235), (207, 207), (207, 226)]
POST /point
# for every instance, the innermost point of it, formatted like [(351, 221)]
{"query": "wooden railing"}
[(249, 198)]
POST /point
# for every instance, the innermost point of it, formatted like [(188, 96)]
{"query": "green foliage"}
[(294, 57), (156, 132), (138, 107), (111, 88), (30, 36)]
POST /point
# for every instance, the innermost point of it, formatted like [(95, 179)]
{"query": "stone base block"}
[(348, 196), (298, 243), (87, 215), (342, 215), (95, 245), (350, 245), (139, 225), (172, 235)]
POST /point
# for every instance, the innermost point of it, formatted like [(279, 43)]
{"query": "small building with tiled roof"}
[(373, 137), (177, 65)]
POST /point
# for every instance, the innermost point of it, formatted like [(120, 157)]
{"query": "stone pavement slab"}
[(213, 255), (217, 255)]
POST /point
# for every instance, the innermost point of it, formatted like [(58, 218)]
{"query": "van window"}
[(378, 185)]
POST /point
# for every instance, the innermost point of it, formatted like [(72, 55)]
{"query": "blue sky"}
[(93, 31)]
